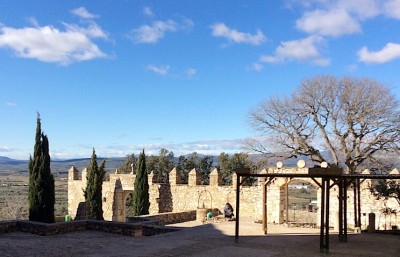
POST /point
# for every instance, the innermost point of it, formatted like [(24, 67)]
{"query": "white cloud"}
[(256, 67), (300, 50), (186, 24), (153, 33), (150, 34), (147, 11), (388, 53), (362, 8), (351, 68), (211, 147), (221, 30), (10, 104), (4, 149), (50, 44), (83, 13), (33, 21), (343, 17), (93, 30), (161, 70), (392, 9), (191, 72), (328, 23)]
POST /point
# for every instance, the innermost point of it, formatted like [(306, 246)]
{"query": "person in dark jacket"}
[(228, 211)]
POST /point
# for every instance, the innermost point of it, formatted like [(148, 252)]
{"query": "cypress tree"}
[(41, 181), (93, 191), (140, 197)]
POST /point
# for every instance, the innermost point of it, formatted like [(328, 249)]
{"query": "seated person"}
[(228, 211)]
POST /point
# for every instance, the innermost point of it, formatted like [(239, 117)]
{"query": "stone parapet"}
[(170, 217), (174, 177), (194, 178), (144, 228), (8, 226), (215, 178)]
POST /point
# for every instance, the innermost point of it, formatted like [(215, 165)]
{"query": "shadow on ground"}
[(204, 240)]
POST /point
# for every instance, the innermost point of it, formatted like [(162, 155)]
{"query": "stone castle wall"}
[(177, 197), (166, 197)]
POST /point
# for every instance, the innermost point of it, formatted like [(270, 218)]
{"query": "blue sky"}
[(120, 76)]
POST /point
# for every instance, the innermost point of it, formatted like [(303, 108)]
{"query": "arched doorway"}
[(301, 194), (296, 197)]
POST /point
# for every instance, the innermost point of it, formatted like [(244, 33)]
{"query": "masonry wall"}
[(176, 197), (369, 204), (171, 197)]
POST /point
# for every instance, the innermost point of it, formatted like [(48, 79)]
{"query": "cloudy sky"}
[(120, 76)]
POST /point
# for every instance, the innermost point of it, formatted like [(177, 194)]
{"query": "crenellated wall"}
[(166, 197), (176, 197)]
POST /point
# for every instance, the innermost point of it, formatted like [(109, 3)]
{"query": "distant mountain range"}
[(6, 160), (8, 165)]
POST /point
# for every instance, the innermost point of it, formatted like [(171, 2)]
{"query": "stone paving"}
[(214, 239)]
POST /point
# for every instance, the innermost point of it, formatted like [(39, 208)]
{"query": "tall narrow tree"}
[(140, 197), (93, 191), (41, 181)]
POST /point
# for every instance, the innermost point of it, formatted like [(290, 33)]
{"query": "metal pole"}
[(287, 201), (340, 214), (322, 222), (355, 202), (359, 203), (327, 187), (237, 208), (345, 210), (264, 220)]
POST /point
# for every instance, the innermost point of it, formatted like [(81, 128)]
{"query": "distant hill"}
[(57, 166), (6, 160), (62, 166)]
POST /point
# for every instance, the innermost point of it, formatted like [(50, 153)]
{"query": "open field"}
[(14, 196)]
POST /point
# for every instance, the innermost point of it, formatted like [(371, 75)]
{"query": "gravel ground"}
[(214, 239)]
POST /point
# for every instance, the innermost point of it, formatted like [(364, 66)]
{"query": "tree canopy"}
[(140, 198), (202, 164), (386, 189), (129, 165), (161, 165), (41, 182), (343, 121), (93, 191), (228, 164)]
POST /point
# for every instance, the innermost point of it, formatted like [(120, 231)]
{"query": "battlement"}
[(164, 197), (175, 196), (174, 176)]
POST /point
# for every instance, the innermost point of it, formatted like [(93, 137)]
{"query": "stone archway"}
[(278, 206), (301, 192)]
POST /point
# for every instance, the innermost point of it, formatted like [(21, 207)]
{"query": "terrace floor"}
[(213, 239)]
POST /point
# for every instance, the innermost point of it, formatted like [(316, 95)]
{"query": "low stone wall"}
[(145, 228), (47, 229), (126, 229), (168, 217), (8, 226)]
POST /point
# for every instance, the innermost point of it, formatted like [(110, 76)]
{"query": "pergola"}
[(326, 175)]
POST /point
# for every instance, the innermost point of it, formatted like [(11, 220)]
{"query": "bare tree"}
[(352, 120)]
